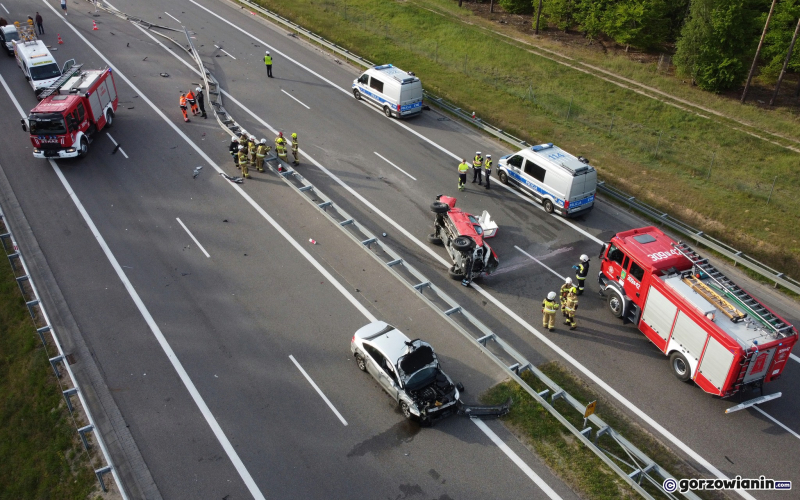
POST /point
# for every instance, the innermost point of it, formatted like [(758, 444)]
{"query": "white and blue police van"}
[(397, 92), (561, 182)]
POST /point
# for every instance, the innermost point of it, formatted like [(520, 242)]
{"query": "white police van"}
[(397, 92), (560, 181)]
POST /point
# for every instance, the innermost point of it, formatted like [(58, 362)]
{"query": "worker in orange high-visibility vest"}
[(192, 102), (183, 107)]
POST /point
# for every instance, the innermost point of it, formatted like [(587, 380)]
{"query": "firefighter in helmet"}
[(582, 270), (566, 288), (261, 153), (570, 307), (243, 162), (549, 309), (295, 152)]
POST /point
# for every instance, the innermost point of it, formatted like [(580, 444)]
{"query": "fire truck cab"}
[(77, 106), (713, 331)]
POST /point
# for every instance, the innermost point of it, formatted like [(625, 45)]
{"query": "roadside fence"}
[(656, 143), (69, 384)]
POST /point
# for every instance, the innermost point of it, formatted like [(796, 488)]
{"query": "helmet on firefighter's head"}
[(551, 296), (568, 281), (198, 89), (294, 135), (234, 139), (263, 141), (253, 138), (584, 258), (280, 134)]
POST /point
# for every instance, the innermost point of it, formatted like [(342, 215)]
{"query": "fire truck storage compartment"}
[(659, 316), (716, 364), (99, 98)]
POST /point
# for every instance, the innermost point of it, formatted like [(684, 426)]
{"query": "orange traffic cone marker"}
[(60, 41), (94, 26)]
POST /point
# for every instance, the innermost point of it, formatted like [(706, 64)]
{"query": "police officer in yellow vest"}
[(477, 164), (243, 162), (463, 168), (549, 309), (295, 151), (570, 307), (487, 168), (261, 153), (268, 64)]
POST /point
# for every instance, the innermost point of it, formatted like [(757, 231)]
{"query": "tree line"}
[(714, 40)]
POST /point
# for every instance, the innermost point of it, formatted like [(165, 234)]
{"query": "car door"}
[(377, 367)]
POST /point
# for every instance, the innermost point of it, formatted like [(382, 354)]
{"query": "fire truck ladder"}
[(775, 324), (61, 81), (712, 296)]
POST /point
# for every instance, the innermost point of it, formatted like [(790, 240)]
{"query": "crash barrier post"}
[(42, 324), (738, 257), (639, 464)]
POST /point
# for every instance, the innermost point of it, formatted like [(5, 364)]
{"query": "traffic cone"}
[(94, 26), (60, 41)]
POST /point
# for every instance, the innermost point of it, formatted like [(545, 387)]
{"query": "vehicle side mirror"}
[(24, 125), (27, 78), (603, 251)]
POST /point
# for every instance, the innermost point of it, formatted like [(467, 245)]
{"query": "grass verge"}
[(709, 175), (41, 454), (569, 459)]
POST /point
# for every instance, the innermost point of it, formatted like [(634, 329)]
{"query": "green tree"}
[(516, 6), (561, 13), (717, 41), (640, 23), (590, 16), (779, 36)]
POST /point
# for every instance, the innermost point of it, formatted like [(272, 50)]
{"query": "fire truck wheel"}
[(548, 206), (110, 119), (680, 367), (83, 149), (455, 274), (439, 207), (464, 244), (503, 177), (434, 238), (615, 304)]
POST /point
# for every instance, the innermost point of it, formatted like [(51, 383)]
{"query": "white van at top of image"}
[(37, 63), (397, 92), (560, 181)]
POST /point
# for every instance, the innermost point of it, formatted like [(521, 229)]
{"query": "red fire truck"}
[(713, 331), (72, 110)]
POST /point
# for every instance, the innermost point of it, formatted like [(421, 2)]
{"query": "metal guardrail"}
[(737, 256), (41, 322)]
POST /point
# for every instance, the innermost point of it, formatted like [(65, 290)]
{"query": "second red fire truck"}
[(714, 332), (72, 110)]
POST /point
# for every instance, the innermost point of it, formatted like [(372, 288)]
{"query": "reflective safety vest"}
[(294, 146), (261, 152), (488, 164), (190, 97), (183, 101), (281, 150), (549, 306), (476, 163), (268, 60), (566, 289), (463, 168), (571, 304), (252, 147), (242, 157)]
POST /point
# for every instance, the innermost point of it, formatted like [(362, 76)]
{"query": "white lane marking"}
[(192, 236), (516, 459), (295, 98), (319, 391), (396, 122), (4, 8), (115, 143), (794, 357), (223, 50), (395, 166), (776, 421), (173, 17), (658, 427), (539, 262)]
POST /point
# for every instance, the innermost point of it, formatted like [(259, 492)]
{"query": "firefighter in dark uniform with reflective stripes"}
[(582, 270)]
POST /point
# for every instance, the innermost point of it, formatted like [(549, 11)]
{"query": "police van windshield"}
[(47, 124), (45, 71)]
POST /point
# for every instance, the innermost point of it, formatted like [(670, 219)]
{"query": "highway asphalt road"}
[(234, 318)]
